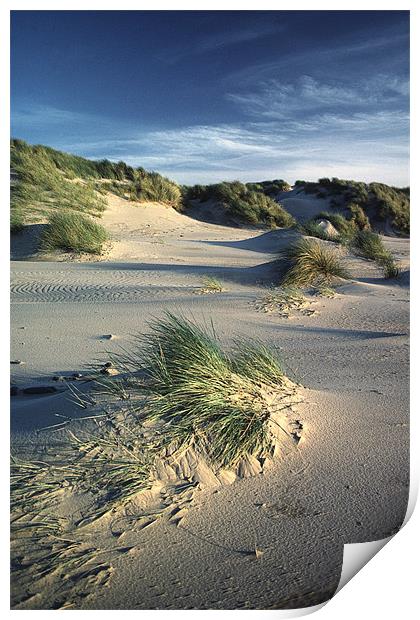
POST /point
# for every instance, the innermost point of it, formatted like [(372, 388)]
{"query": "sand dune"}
[(303, 206), (157, 232), (347, 482)]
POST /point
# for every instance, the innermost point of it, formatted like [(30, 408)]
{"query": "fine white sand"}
[(347, 482)]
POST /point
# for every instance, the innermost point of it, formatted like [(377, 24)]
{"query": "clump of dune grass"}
[(201, 396), (283, 301), (313, 263), (211, 285), (390, 268), (325, 291), (74, 232), (370, 245), (192, 393)]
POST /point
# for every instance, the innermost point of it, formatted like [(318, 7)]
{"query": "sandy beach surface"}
[(346, 482)]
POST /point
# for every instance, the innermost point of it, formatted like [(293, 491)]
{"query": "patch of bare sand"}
[(303, 206), (152, 231)]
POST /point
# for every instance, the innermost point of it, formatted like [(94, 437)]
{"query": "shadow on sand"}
[(270, 242), (25, 244), (265, 273)]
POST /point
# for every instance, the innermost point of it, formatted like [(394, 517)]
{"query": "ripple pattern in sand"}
[(90, 286)]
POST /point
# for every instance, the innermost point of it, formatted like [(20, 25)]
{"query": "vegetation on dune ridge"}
[(74, 232), (313, 263), (366, 203), (363, 242), (39, 186), (242, 203), (355, 234), (143, 187), (271, 188), (44, 179), (152, 187), (370, 245)]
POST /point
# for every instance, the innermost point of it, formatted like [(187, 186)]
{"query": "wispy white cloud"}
[(385, 122), (274, 99), (224, 39), (44, 115), (207, 43), (316, 58)]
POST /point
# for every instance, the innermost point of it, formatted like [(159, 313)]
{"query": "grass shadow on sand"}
[(32, 412), (265, 273), (268, 242), (403, 280), (331, 333), (26, 243)]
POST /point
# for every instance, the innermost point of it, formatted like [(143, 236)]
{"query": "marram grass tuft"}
[(74, 232), (313, 263), (202, 396), (210, 286)]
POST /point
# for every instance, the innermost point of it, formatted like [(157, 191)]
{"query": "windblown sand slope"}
[(346, 482), (303, 206)]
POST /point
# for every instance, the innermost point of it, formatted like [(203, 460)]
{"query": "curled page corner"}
[(305, 611), (299, 612), (356, 556)]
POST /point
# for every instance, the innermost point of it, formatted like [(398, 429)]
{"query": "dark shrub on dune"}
[(375, 201), (240, 202)]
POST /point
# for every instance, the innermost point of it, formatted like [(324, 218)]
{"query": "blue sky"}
[(208, 95)]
